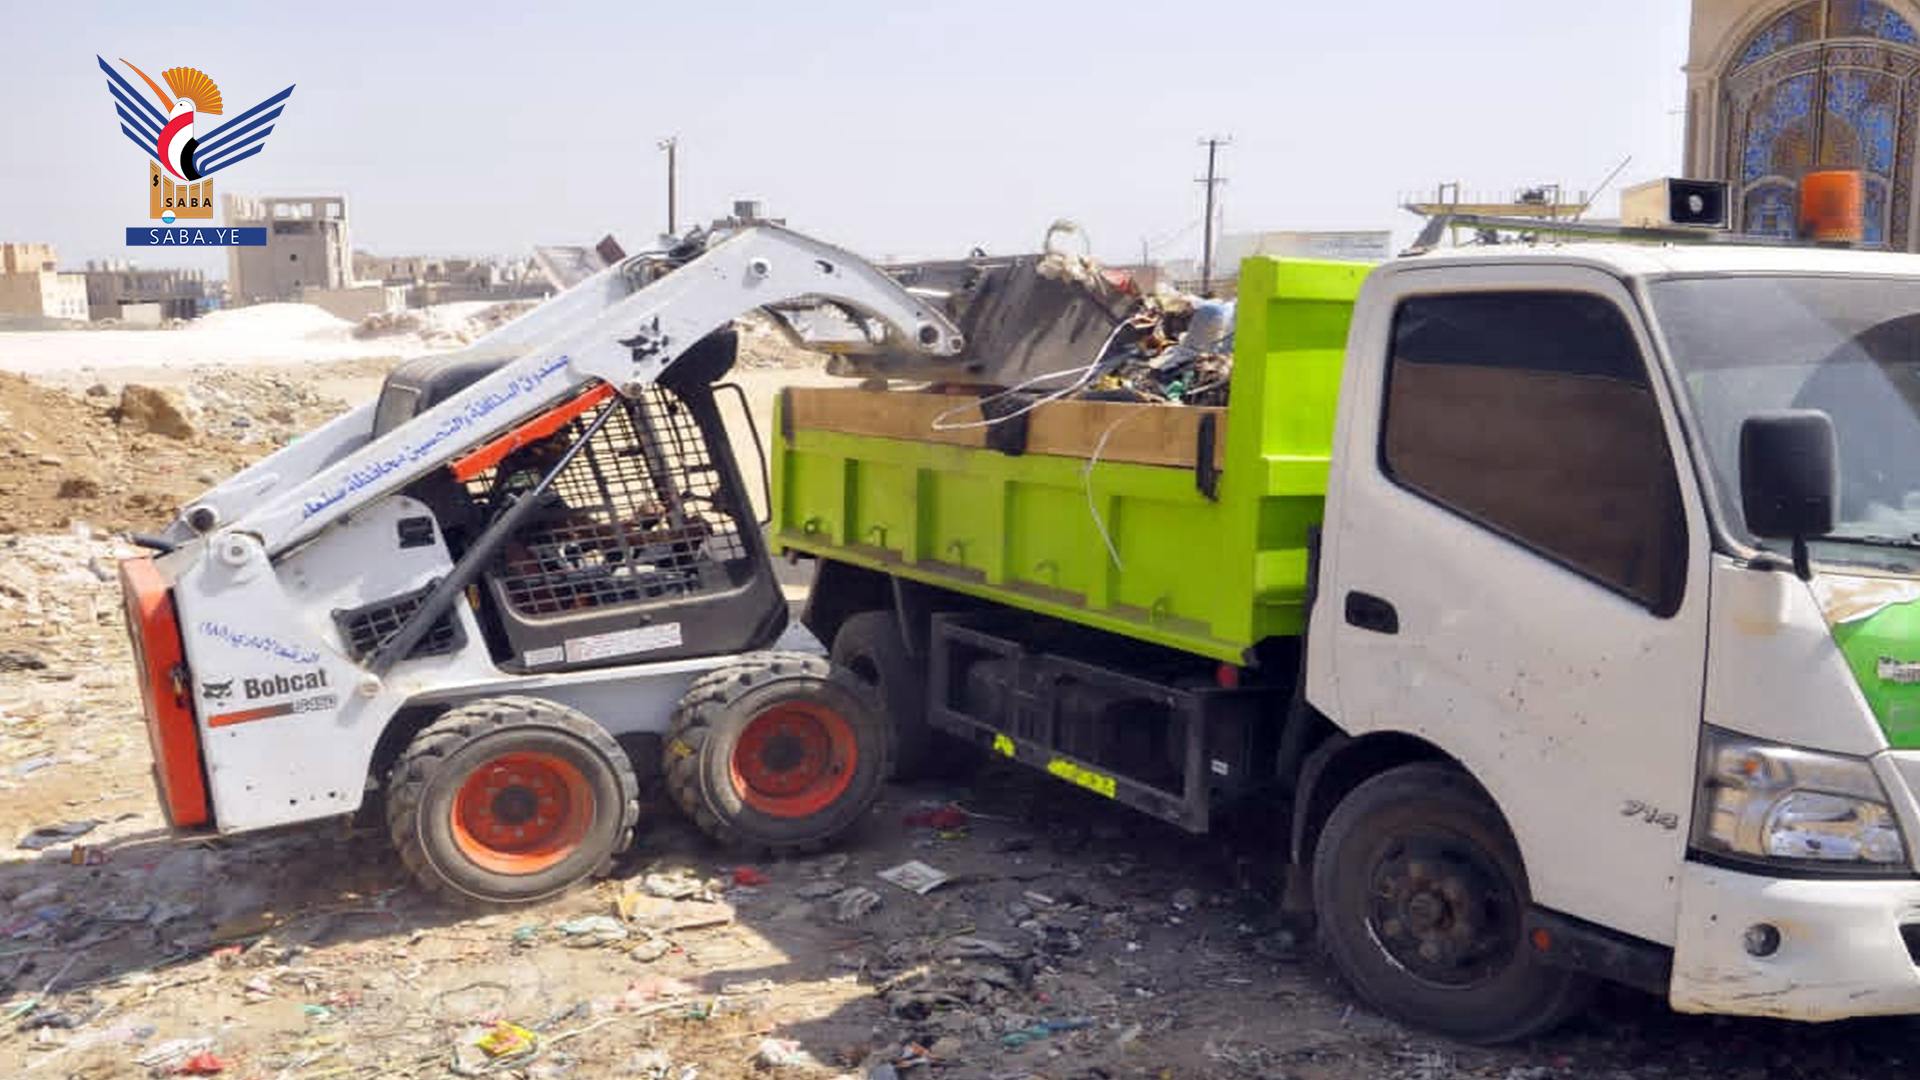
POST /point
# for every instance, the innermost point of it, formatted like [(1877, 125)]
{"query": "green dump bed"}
[(1179, 525)]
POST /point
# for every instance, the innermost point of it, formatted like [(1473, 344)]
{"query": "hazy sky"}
[(894, 129)]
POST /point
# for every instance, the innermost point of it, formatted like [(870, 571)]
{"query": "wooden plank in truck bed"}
[(1138, 434)]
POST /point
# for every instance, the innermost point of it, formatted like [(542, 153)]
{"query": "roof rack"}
[(1438, 224)]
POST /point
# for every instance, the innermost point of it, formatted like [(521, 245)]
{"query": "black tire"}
[(1405, 861), (706, 781), (427, 817), (870, 646)]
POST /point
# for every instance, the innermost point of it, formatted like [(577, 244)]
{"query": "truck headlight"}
[(1781, 806)]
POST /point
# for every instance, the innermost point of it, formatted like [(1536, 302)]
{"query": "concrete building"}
[(27, 258), (308, 247), (430, 280), (31, 284), (1780, 88), (117, 289)]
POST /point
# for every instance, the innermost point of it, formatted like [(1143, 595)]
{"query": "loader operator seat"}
[(649, 526)]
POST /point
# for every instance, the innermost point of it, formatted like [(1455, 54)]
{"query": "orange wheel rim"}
[(794, 760), (522, 813)]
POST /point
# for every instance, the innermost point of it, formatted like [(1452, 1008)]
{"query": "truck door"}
[(1515, 569)]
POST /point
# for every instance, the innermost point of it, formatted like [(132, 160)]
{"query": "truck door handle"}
[(1369, 612)]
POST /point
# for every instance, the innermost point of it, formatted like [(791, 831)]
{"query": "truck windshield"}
[(1849, 346)]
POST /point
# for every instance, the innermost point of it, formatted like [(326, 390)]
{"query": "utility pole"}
[(1213, 145), (670, 144)]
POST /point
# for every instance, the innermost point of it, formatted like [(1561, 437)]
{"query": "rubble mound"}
[(126, 459), (765, 345), (444, 325)]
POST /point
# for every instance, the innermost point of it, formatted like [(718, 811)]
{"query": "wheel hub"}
[(1442, 911), (521, 813), (786, 753), (516, 805), (794, 760)]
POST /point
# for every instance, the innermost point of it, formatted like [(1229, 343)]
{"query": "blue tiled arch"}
[(1800, 105)]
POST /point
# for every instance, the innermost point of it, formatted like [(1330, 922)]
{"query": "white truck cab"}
[(1588, 597)]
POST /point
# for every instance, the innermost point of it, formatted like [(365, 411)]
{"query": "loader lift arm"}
[(623, 327)]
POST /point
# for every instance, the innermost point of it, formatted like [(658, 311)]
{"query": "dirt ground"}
[(1074, 939)]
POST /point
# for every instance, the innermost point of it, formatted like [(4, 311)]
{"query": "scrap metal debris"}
[(1060, 324)]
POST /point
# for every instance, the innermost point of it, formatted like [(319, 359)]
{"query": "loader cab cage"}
[(641, 513), (644, 547)]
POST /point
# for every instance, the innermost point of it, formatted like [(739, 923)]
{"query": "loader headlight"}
[(1781, 806)]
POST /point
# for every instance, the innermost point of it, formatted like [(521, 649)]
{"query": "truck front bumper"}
[(1843, 946)]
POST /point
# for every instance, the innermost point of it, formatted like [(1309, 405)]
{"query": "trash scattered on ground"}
[(48, 835), (945, 819), (650, 950), (657, 988), (1045, 1029), (506, 1040), (204, 1063), (915, 877), (750, 878), (776, 1053), (172, 1052), (854, 904), (974, 948), (50, 1018), (670, 916), (591, 931), (678, 885)]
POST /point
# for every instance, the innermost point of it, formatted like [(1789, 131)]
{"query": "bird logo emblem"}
[(184, 158), (197, 94)]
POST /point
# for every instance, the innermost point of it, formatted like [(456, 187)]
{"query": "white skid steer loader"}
[(456, 598)]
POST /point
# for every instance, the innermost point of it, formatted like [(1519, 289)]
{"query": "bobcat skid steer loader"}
[(456, 599)]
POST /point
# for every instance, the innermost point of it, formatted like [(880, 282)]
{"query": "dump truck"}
[(1559, 600)]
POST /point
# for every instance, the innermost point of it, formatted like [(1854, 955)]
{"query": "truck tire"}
[(510, 800), (1421, 896), (870, 646), (777, 752)]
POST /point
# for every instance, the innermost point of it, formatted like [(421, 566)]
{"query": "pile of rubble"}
[(125, 458), (764, 345), (449, 326)]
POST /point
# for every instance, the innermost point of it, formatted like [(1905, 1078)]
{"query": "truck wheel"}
[(776, 752), (869, 645), (1420, 894), (510, 800)]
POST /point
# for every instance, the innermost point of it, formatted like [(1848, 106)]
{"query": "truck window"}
[(1848, 346), (1530, 414)]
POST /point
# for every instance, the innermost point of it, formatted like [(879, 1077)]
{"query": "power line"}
[(1168, 239), (671, 145), (1213, 180)]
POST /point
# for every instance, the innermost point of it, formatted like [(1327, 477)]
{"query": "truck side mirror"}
[(1789, 478)]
